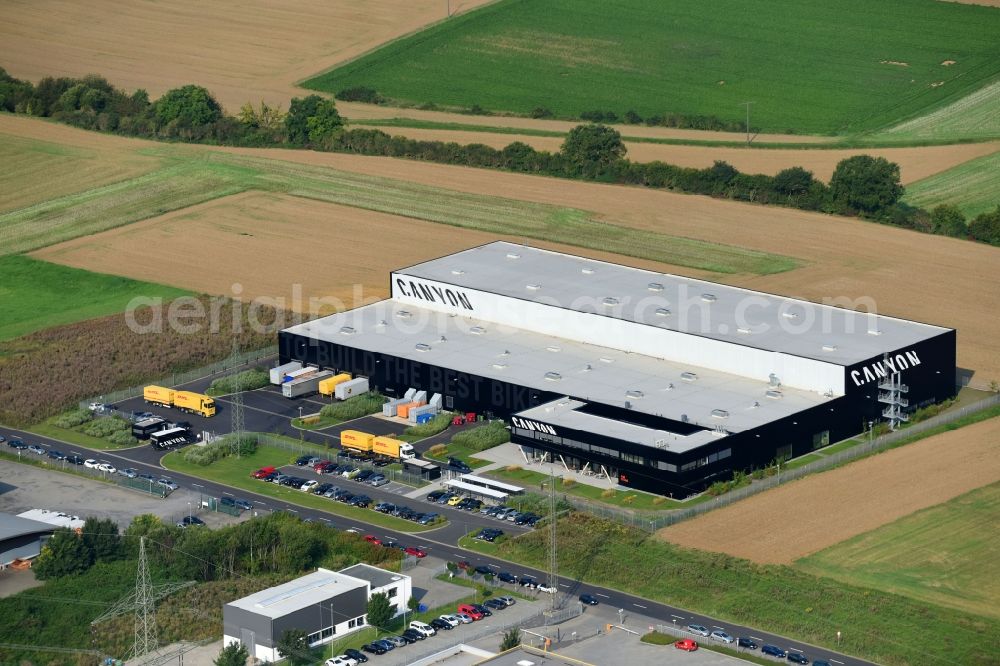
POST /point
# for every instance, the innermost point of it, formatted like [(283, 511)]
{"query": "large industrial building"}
[(663, 382)]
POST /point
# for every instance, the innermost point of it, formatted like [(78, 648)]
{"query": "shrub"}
[(354, 407), (986, 227), (656, 638), (541, 112), (483, 437), (219, 449), (249, 380), (438, 450), (608, 493), (107, 427), (512, 468), (72, 418), (360, 94), (310, 420), (657, 501), (628, 499), (436, 425), (122, 438), (568, 482)]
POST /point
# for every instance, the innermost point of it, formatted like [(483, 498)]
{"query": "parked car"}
[(440, 624), (548, 589), (355, 655), (460, 465), (435, 496), (17, 444), (37, 449), (128, 472), (797, 658), (589, 599), (428, 518), (262, 472), (56, 455), (528, 581), (342, 660), (470, 610), (720, 635), (145, 477), (425, 629), (686, 644), (190, 521), (321, 488), (455, 500), (331, 492), (698, 629), (378, 480), (167, 483), (302, 461), (74, 460), (385, 644), (107, 468), (747, 643), (774, 651), (483, 569), (277, 477), (364, 475), (526, 518), (494, 604), (385, 507), (399, 641), (371, 538), (484, 610), (415, 552), (509, 601), (464, 618), (373, 648), (450, 620), (507, 577), (308, 486), (89, 463), (821, 662)]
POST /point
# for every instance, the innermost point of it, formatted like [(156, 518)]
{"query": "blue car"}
[(774, 651), (798, 658)]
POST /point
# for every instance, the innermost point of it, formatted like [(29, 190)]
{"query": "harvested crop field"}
[(914, 163), (241, 51), (781, 525), (267, 245), (908, 274)]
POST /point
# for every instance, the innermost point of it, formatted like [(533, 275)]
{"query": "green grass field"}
[(36, 294), (235, 472), (945, 555), (190, 177), (971, 117), (833, 67), (973, 186)]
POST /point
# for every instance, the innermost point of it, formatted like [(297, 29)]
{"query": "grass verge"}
[(235, 472), (47, 429), (657, 638), (464, 453)]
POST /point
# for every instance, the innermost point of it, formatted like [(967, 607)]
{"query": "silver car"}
[(698, 629), (720, 635)]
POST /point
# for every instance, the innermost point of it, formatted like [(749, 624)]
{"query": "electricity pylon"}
[(238, 424)]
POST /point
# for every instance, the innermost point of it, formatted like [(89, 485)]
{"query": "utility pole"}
[(553, 553), (238, 425), (145, 611), (747, 104)]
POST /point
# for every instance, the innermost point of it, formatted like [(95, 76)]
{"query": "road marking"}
[(679, 617), (638, 606), (836, 662), (602, 595), (795, 649), (757, 639), (563, 585)]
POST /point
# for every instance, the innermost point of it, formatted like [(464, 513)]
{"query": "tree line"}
[(862, 186)]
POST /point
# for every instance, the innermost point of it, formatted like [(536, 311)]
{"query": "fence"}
[(651, 522), (220, 368)]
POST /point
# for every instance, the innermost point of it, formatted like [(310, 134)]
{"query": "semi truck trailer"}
[(329, 385), (277, 375), (186, 401), (304, 385), (355, 440)]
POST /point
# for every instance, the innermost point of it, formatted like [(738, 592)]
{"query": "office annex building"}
[(666, 383)]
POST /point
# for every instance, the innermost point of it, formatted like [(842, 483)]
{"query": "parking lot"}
[(25, 487)]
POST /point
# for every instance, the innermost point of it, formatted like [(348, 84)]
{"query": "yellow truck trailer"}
[(329, 385), (158, 395), (355, 440), (393, 448)]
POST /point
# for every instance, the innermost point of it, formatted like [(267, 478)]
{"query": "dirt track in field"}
[(241, 51), (914, 163), (781, 525), (918, 276)]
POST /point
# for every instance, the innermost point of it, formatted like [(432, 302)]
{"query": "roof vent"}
[(554, 348), (874, 331), (773, 380), (499, 366), (789, 315), (588, 368), (634, 394), (533, 287), (605, 359), (505, 352), (423, 347), (513, 255), (655, 286), (553, 376), (404, 314), (689, 376), (708, 298), (668, 387), (774, 394), (587, 271), (755, 405), (477, 330), (442, 339), (611, 300), (720, 413), (457, 271), (685, 419), (628, 405), (347, 330), (743, 330), (383, 322), (829, 348), (662, 312)]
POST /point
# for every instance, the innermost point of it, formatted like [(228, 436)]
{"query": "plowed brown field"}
[(914, 163), (241, 51), (781, 525)]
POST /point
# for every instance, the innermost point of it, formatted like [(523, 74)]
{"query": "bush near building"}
[(248, 380), (354, 407), (483, 437)]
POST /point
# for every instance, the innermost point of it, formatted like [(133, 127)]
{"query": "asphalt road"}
[(442, 542)]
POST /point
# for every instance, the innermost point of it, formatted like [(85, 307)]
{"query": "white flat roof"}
[(721, 312), (587, 372), (491, 483), (57, 518), (479, 490), (300, 593)]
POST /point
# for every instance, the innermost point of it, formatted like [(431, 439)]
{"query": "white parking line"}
[(795, 649), (638, 606), (717, 626), (836, 662), (602, 595), (563, 585), (757, 639), (679, 617)]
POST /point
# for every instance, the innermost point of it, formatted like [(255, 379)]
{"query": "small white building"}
[(325, 604)]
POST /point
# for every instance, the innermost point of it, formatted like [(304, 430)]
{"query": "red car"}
[(686, 644), (262, 472), (416, 552), (470, 611), (322, 465), (371, 538), (465, 565)]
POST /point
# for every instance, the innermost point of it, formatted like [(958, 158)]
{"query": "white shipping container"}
[(279, 372), (354, 387)]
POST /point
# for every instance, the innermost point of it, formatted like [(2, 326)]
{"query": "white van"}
[(422, 628)]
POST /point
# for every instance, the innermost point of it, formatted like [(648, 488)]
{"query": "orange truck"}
[(186, 401), (355, 440)]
